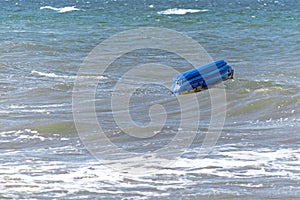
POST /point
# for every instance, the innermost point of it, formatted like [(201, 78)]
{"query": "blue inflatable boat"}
[(202, 77)]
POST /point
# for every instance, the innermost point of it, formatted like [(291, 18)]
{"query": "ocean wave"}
[(262, 99), (50, 75), (236, 164), (53, 75), (179, 11), (61, 10), (245, 163), (21, 106)]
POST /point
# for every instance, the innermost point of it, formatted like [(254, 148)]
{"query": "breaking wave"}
[(179, 11), (61, 10)]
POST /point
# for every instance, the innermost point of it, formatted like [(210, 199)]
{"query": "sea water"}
[(42, 47)]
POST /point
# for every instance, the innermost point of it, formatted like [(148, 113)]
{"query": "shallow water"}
[(43, 45)]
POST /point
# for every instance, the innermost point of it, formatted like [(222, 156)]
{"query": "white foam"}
[(53, 75), (30, 137), (98, 179), (242, 164), (61, 10), (20, 135), (22, 106), (179, 11)]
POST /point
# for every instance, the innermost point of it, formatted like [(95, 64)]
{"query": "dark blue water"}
[(42, 47)]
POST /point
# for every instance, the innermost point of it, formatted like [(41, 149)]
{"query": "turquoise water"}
[(42, 46)]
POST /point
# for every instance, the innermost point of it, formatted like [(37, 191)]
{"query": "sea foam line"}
[(53, 75), (60, 10), (179, 11), (14, 106)]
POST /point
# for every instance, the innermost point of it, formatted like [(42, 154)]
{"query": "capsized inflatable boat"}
[(201, 77)]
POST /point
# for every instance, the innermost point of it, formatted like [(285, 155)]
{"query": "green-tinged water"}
[(42, 47)]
